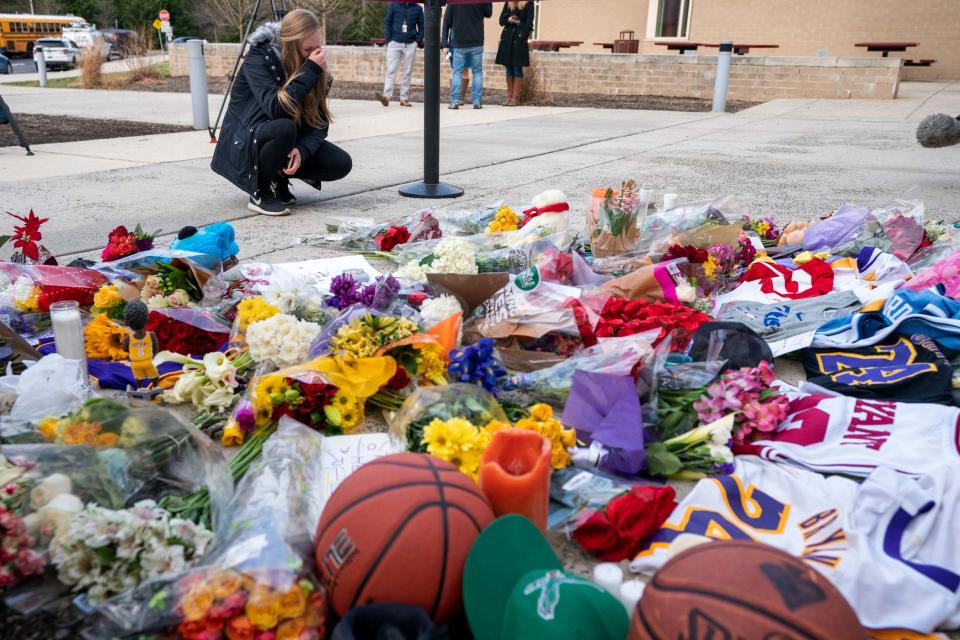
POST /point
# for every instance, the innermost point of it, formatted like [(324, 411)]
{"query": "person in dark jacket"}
[(403, 32), (514, 52), (462, 31), (277, 122)]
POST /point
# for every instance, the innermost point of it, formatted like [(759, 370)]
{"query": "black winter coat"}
[(254, 102), (514, 50)]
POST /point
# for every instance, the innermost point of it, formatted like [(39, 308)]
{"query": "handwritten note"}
[(342, 455)]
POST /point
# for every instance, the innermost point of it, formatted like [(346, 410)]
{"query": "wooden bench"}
[(743, 49), (919, 63), (682, 47), (553, 45)]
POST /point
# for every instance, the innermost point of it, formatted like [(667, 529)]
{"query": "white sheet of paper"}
[(324, 270), (342, 455)]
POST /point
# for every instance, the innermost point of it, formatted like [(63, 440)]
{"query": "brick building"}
[(800, 27)]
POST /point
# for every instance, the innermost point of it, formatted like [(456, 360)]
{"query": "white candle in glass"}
[(68, 331), (609, 576), (670, 199), (630, 593)]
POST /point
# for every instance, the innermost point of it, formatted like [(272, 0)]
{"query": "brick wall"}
[(800, 28), (754, 78)]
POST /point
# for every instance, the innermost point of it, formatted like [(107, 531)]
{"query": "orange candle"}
[(515, 474)]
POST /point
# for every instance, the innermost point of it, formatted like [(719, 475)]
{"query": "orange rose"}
[(290, 630), (316, 613), (224, 584), (240, 628), (293, 603), (107, 440), (263, 608), (197, 602)]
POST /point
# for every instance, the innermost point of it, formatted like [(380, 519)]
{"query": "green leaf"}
[(428, 261), (409, 362), (4, 240), (660, 462), (105, 555), (159, 600)]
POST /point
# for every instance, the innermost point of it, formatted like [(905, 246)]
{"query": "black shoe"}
[(316, 184), (478, 106), (454, 106), (267, 204), (281, 189)]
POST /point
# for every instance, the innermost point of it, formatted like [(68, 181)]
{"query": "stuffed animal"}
[(939, 130), (553, 201)]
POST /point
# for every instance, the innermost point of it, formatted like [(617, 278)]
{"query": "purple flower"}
[(385, 292), (245, 418)]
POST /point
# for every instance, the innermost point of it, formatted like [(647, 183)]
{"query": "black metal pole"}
[(431, 187), (22, 139)]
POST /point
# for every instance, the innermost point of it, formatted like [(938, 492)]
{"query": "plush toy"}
[(793, 233), (142, 345), (939, 130), (218, 240), (553, 201)]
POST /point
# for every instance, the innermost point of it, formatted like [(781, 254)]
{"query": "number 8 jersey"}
[(891, 545)]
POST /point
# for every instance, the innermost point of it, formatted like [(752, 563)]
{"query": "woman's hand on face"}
[(319, 56), (294, 164)]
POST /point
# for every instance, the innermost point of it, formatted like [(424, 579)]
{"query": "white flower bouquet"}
[(282, 340)]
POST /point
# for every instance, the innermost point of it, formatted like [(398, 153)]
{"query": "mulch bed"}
[(367, 91), (43, 129)]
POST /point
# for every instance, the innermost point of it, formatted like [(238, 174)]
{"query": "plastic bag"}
[(259, 578), (573, 490), (660, 228), (616, 356), (613, 220), (186, 270), (33, 288), (945, 272), (846, 232), (467, 401), (53, 386), (385, 236)]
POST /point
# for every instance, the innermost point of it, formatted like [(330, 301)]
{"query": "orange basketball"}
[(398, 530), (742, 590)]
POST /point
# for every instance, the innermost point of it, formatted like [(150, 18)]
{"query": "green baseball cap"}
[(514, 586)]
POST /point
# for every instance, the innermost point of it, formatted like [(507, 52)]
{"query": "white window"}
[(668, 19)]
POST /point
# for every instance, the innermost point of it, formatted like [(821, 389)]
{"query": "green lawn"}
[(110, 80)]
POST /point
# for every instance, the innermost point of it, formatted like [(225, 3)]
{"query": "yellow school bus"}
[(19, 31)]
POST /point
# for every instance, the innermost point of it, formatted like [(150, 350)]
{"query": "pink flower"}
[(29, 563), (6, 578), (10, 489)]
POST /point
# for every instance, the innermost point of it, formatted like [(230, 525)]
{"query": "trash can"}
[(626, 43)]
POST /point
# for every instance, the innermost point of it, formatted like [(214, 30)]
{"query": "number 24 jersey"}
[(891, 545)]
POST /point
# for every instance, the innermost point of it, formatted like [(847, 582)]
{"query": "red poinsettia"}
[(26, 236)]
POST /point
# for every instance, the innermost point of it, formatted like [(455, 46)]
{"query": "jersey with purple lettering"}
[(890, 545), (854, 436), (904, 369)]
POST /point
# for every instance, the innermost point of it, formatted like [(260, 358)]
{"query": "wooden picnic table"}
[(374, 42), (742, 49), (553, 45), (605, 45), (886, 47), (682, 47)]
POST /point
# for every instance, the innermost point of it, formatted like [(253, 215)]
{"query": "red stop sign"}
[(164, 15)]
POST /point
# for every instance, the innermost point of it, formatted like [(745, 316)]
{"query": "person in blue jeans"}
[(462, 31)]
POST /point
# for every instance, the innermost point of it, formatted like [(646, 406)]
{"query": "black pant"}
[(279, 137)]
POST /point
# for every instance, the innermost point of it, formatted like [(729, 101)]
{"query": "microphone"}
[(938, 130)]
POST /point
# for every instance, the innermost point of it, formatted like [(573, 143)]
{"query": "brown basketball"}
[(398, 530), (742, 591)]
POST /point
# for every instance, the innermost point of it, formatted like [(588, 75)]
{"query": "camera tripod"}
[(278, 9)]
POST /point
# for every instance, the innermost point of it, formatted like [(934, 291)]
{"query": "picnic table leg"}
[(885, 53)]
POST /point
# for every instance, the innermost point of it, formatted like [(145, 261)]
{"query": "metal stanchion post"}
[(198, 85), (431, 187), (41, 62), (723, 76)]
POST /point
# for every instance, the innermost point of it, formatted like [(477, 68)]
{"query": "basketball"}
[(399, 530), (742, 590)]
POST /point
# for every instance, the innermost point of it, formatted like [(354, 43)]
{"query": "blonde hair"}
[(296, 26), (522, 4)]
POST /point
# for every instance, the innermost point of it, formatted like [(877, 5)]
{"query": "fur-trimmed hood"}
[(268, 33)]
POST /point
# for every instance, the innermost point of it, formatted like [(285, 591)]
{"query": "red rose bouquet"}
[(122, 243), (393, 236), (616, 532), (621, 317), (188, 330)]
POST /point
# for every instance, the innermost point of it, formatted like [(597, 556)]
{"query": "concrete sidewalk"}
[(785, 158)]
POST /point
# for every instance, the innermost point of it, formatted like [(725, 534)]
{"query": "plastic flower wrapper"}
[(618, 356), (258, 580), (464, 222), (613, 230), (419, 226), (346, 329), (33, 288), (616, 531), (210, 383), (160, 273), (605, 410), (463, 401), (188, 330), (661, 229), (575, 489), (846, 232)]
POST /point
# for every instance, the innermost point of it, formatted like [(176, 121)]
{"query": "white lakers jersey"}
[(891, 545), (854, 436)]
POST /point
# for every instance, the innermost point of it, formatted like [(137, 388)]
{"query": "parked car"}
[(5, 65), (123, 42), (60, 53), (87, 35)]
